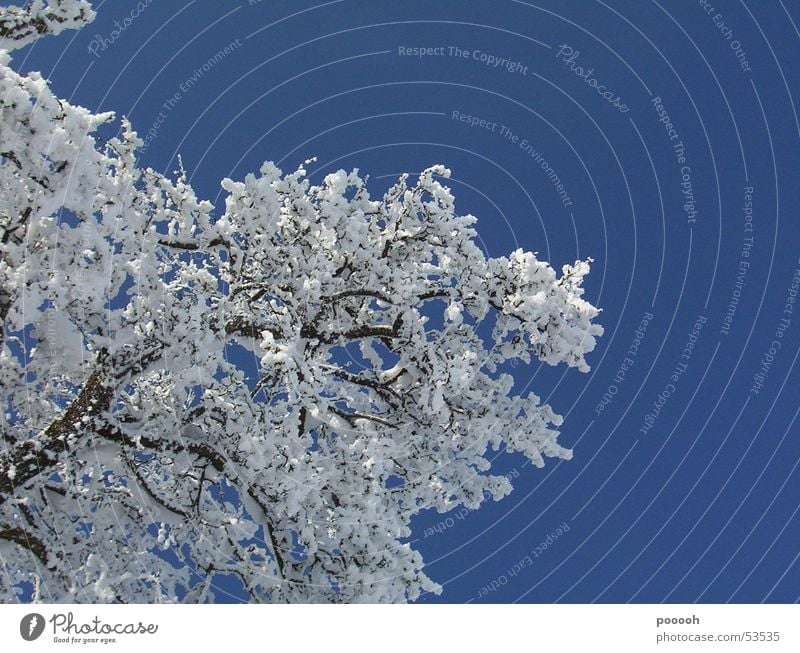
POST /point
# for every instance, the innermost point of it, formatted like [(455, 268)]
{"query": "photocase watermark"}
[(626, 364), (189, 82), (525, 561), (679, 150), (31, 626), (509, 135), (183, 88), (664, 118), (66, 630), (727, 32), (760, 377), (488, 59), (744, 261), (102, 42), (569, 57), (686, 185), (677, 374)]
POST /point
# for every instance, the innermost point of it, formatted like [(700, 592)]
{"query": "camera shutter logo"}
[(31, 626)]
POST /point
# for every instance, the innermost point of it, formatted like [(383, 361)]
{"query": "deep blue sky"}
[(703, 505)]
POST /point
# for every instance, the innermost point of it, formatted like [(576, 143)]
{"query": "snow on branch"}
[(270, 388), (20, 26)]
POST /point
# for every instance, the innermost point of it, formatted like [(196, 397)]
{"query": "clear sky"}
[(660, 139)]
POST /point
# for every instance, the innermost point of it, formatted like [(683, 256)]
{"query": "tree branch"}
[(26, 541), (355, 415)]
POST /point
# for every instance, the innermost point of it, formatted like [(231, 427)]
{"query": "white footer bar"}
[(355, 628)]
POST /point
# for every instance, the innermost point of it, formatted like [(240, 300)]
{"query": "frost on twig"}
[(20, 26), (269, 389)]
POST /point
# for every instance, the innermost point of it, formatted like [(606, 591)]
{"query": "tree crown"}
[(271, 390)]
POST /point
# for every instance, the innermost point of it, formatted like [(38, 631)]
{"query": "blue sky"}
[(681, 489)]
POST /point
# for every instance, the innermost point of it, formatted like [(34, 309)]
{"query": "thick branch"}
[(239, 326), (31, 457), (26, 541), (268, 528), (363, 331), (356, 293), (383, 389), (355, 416), (193, 245)]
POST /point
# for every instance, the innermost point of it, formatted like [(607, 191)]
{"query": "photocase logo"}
[(31, 626)]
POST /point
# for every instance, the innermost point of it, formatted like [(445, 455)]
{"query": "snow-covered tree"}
[(270, 390), (20, 26)]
